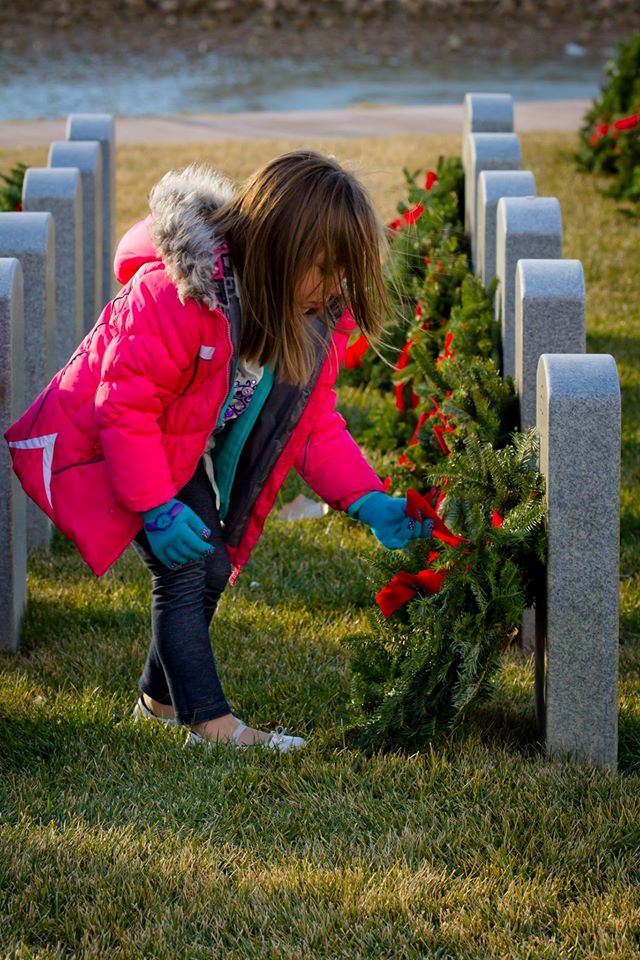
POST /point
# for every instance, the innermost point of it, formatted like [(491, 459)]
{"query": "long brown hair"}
[(298, 206)]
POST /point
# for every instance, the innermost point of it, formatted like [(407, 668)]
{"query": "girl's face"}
[(309, 293)]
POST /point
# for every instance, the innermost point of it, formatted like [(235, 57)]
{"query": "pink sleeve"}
[(140, 375), (332, 463)]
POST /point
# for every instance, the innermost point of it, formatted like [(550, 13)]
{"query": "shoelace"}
[(278, 735)]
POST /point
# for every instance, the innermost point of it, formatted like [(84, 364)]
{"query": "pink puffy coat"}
[(121, 427)]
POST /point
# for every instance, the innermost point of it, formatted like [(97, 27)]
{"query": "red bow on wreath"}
[(399, 387), (438, 430), (404, 585), (431, 178), (448, 352), (353, 354), (417, 504)]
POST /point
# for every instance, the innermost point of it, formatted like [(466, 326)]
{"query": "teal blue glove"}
[(175, 533), (387, 517)]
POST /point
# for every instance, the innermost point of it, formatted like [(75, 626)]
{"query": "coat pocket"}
[(306, 451), (202, 368)]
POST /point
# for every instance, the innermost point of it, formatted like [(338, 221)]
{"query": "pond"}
[(39, 83)]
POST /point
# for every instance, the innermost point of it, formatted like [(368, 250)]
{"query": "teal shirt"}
[(225, 455)]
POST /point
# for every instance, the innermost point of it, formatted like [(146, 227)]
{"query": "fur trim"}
[(180, 232)]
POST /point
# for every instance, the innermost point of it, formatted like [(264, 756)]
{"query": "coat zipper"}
[(306, 451)]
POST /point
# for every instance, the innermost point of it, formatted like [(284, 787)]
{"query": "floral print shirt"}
[(248, 375)]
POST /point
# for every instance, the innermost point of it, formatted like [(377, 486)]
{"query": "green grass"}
[(115, 842)]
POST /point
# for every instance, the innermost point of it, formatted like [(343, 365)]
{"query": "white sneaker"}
[(277, 741), (141, 712)]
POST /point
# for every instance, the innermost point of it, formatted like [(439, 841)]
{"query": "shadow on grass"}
[(29, 740), (629, 743), (53, 622), (305, 563)]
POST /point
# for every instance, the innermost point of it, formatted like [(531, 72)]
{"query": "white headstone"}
[(101, 127), (86, 155), (30, 238), (13, 527), (528, 228), (578, 419), (492, 185), (485, 151), (550, 318), (485, 113), (59, 192)]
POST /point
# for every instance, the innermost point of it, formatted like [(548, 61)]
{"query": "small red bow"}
[(417, 504), (419, 315), (448, 352), (627, 123), (431, 178), (353, 354), (403, 586), (399, 387), (410, 216), (624, 123)]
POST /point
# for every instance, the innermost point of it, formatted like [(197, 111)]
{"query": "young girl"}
[(206, 379)]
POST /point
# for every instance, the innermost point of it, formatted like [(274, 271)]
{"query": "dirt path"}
[(560, 115)]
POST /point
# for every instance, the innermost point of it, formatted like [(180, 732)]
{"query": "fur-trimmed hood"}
[(179, 228)]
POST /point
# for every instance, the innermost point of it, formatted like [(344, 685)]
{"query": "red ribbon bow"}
[(410, 216), (399, 387), (353, 354), (404, 585), (417, 504), (448, 352), (627, 123), (431, 178)]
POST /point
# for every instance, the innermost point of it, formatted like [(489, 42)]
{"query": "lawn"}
[(116, 842)]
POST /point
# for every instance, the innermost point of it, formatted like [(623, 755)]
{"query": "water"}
[(36, 84)]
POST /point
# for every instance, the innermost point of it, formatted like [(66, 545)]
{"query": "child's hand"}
[(390, 525), (176, 533)]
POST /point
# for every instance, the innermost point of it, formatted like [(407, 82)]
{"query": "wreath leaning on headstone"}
[(447, 607)]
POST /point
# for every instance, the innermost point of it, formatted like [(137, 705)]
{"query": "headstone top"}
[(579, 376), (551, 279), (52, 181), (495, 145), (521, 216), (85, 126), (488, 113), (493, 184), (79, 153), (10, 275), (29, 230)]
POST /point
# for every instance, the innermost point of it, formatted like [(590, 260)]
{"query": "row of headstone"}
[(55, 278), (574, 400)]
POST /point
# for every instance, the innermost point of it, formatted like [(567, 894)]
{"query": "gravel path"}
[(550, 115)]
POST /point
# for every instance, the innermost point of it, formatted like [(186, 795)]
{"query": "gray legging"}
[(181, 668)]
